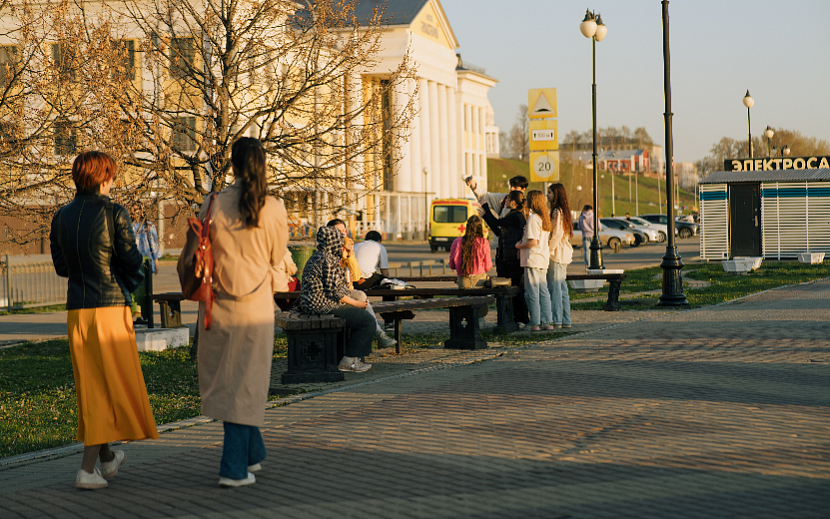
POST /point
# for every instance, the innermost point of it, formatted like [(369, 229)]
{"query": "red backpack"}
[(195, 264)]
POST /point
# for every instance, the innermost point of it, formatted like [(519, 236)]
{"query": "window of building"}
[(62, 59), (66, 138), (8, 62), (182, 57), (129, 59), (184, 133)]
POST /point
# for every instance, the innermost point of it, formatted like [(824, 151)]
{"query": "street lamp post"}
[(748, 102), (592, 27), (672, 279), (768, 133)]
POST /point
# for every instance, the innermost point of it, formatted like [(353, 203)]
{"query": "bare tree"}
[(181, 81)]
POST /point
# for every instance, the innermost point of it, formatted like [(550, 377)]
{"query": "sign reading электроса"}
[(776, 163)]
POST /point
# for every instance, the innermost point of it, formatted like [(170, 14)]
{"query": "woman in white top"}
[(534, 255), (561, 254)]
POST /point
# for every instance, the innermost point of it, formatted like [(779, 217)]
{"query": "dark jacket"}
[(509, 229), (83, 252)]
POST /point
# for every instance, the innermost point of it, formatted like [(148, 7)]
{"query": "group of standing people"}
[(533, 249)]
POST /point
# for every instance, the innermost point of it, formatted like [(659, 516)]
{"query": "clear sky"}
[(779, 50)]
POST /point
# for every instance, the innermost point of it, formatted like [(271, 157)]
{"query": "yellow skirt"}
[(112, 397)]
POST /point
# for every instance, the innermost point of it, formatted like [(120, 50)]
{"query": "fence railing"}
[(30, 281), (419, 268)]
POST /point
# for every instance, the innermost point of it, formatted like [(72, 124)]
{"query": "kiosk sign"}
[(776, 163)]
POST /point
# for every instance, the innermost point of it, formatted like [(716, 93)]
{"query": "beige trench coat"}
[(235, 354)]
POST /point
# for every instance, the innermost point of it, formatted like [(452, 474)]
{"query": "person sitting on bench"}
[(373, 261), (324, 291)]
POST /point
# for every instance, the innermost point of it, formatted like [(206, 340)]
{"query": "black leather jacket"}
[(83, 252)]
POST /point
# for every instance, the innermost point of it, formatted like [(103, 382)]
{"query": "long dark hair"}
[(518, 198), (248, 159), (560, 201), (474, 231)]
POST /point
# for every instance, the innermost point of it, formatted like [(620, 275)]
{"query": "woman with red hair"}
[(94, 246)]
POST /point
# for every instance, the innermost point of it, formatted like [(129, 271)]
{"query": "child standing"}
[(470, 255), (535, 257), (561, 255)]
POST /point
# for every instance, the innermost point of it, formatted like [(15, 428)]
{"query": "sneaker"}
[(256, 467), (384, 341), (521, 326), (88, 481), (566, 326), (228, 482), (361, 366), (556, 326), (549, 327), (535, 329), (347, 364), (110, 468)]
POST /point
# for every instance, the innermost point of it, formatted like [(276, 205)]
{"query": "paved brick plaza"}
[(718, 412)]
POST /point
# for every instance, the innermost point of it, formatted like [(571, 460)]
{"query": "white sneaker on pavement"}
[(87, 481), (228, 482), (110, 468)]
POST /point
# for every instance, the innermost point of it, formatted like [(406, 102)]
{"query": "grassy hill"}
[(500, 170)]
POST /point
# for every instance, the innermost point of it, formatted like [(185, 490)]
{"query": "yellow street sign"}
[(541, 103), (544, 135), (544, 166)]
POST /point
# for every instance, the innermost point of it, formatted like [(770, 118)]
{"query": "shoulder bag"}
[(195, 265)]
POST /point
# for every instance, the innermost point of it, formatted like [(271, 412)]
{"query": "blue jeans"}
[(560, 302), (243, 446), (537, 296), (586, 249)]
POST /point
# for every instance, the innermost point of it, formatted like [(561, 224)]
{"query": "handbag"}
[(131, 280), (195, 265)]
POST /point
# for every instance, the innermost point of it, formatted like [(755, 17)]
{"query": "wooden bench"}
[(317, 342), (170, 308)]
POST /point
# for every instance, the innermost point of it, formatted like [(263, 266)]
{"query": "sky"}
[(779, 51)]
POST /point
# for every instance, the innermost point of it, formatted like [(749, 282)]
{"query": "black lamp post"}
[(748, 102), (672, 278), (592, 27)]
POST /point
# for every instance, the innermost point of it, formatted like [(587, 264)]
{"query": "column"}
[(424, 123), (403, 177), (454, 172), (415, 169), (434, 154), (444, 140)]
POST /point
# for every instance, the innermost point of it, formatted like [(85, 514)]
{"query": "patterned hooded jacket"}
[(324, 280)]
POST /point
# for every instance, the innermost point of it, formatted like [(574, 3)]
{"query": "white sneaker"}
[(254, 468), (347, 363), (361, 366), (88, 481), (384, 341), (110, 468), (228, 482)]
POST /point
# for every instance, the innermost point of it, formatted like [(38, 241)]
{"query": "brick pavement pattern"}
[(717, 412)]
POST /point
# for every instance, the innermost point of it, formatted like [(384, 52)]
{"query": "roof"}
[(783, 175), (395, 12)]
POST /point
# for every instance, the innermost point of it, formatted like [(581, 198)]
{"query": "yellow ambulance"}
[(448, 220)]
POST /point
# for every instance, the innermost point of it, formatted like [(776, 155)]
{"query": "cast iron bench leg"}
[(504, 313), (313, 356), (613, 303), (464, 330)]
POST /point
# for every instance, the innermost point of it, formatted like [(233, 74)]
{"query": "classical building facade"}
[(452, 132)]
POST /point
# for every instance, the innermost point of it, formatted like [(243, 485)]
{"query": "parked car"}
[(612, 238), (650, 234), (684, 229), (621, 225), (662, 229)]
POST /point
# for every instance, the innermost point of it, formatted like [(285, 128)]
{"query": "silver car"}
[(612, 238), (642, 235), (662, 229)]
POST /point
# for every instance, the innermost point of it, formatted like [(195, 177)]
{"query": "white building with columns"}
[(449, 135)]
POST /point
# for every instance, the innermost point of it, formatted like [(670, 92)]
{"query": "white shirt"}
[(538, 256), (371, 257)]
